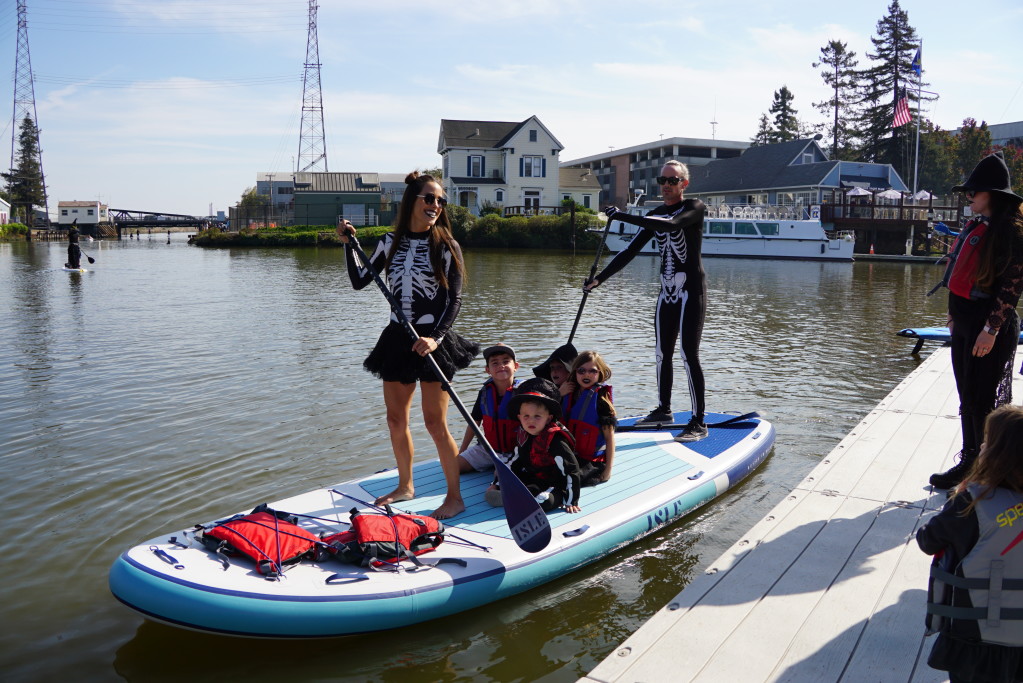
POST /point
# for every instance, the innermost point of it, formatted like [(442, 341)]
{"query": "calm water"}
[(171, 385)]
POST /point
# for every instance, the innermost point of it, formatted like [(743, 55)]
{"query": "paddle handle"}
[(593, 271)]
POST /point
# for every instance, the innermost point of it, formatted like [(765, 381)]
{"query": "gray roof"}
[(337, 182), (577, 179), (760, 168), (481, 134)]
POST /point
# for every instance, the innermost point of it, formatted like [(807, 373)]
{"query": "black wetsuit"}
[(682, 303), (74, 252)]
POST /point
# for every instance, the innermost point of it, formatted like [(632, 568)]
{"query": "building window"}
[(475, 166), (532, 136), (565, 197), (285, 190), (532, 167), (74, 210), (532, 200), (586, 201), (91, 212), (63, 212), (499, 196)]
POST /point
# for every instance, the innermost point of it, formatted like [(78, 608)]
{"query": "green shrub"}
[(13, 231)]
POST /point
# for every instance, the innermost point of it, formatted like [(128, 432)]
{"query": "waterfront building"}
[(625, 173), (500, 163), (5, 212), (89, 214), (580, 185)]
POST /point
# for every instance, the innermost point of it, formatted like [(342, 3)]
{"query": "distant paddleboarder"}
[(74, 252)]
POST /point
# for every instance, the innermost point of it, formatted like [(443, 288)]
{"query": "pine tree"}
[(786, 125), (840, 76), (25, 181), (938, 150), (765, 135), (882, 83)]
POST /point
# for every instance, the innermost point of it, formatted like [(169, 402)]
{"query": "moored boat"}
[(173, 578), (752, 234)]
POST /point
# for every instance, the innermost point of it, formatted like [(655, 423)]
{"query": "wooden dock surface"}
[(830, 585)]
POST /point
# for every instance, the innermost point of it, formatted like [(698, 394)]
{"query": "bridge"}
[(130, 218)]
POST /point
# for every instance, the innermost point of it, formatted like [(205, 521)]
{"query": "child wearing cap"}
[(544, 456), (491, 412)]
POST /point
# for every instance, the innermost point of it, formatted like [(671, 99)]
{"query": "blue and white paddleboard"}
[(74, 270), (938, 334), (655, 481)]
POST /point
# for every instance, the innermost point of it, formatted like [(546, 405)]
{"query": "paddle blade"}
[(530, 528), (91, 259)]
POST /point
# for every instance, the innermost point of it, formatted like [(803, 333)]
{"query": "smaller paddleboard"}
[(74, 270), (938, 334)]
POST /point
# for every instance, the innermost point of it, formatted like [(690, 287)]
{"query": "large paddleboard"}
[(938, 334), (172, 578)]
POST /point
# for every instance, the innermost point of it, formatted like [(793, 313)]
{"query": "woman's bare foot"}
[(449, 508), (396, 496)]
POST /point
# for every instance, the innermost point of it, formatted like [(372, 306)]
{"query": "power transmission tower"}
[(25, 99), (312, 149)]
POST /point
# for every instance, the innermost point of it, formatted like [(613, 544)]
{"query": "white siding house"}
[(87, 213), (500, 163)]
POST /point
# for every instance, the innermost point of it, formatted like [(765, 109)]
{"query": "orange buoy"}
[(871, 247)]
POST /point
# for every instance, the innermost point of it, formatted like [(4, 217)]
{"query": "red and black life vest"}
[(580, 409), (377, 539), (541, 465), (270, 538), (962, 281), (498, 426)]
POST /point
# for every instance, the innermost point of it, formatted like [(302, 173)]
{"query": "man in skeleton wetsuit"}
[(677, 225)]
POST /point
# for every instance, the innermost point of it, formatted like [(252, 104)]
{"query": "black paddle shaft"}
[(593, 271)]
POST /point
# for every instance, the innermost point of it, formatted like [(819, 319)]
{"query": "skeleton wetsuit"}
[(682, 303)]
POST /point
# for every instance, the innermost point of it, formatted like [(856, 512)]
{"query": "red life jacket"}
[(540, 462), (964, 271), (498, 426), (580, 409), (268, 537), (376, 539)]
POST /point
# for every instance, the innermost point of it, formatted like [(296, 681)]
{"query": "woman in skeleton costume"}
[(677, 225), (422, 265)]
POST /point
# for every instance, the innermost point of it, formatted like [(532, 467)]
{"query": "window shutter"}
[(543, 167), (468, 166), (483, 166), (522, 167)]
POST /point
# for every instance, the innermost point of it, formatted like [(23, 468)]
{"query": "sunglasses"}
[(970, 194), (431, 199), (661, 180), (587, 371)]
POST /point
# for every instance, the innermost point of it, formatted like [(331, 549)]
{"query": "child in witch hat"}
[(557, 368), (544, 456), (984, 278)]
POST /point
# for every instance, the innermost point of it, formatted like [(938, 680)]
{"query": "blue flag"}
[(916, 62)]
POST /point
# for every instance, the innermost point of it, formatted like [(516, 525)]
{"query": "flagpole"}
[(919, 85)]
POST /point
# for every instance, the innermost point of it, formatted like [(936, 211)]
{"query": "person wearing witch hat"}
[(544, 457), (984, 277), (74, 252), (557, 368)]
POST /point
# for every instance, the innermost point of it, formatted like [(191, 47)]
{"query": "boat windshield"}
[(719, 228), (768, 228)]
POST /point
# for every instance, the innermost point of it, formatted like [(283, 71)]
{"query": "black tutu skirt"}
[(976, 661), (393, 360)]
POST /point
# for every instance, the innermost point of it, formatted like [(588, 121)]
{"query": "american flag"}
[(902, 116)]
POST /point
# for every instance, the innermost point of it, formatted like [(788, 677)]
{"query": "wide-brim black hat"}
[(536, 389), (565, 353), (990, 175)]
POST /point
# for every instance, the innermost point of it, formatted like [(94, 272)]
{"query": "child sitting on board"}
[(976, 538), (491, 412), (591, 417), (557, 367), (544, 458)]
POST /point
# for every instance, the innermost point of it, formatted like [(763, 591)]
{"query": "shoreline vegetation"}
[(13, 231), (489, 231)]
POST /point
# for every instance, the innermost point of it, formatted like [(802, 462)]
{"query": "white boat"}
[(174, 579), (756, 234)]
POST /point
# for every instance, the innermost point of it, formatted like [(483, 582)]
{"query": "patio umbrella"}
[(858, 192), (923, 194), (890, 194)]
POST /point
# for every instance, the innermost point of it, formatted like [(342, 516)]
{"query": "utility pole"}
[(312, 149), (25, 103)]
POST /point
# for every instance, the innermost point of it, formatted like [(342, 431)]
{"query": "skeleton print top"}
[(678, 229), (412, 281)]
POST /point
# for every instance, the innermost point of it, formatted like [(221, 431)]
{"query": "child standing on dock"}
[(491, 411), (591, 416), (544, 458), (975, 600)]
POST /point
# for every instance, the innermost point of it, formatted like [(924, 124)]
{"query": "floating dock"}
[(830, 585)]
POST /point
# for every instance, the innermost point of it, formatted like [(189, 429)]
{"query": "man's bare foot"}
[(449, 508), (396, 496)]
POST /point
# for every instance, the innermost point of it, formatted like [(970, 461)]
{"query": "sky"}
[(175, 106)]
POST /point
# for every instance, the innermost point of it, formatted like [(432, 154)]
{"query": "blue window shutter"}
[(468, 165), (543, 167), (483, 167), (522, 167)]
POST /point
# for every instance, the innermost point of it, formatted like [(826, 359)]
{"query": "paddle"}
[(530, 528), (664, 427), (593, 271)]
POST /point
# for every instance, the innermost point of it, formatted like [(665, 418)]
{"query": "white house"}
[(581, 185), (87, 213), (5, 212), (500, 163)]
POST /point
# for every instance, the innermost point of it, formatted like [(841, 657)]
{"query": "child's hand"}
[(573, 508), (605, 476), (567, 387)]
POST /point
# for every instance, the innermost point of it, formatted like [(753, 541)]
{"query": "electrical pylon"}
[(312, 149), (25, 99)]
